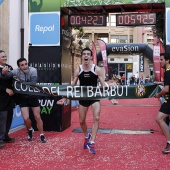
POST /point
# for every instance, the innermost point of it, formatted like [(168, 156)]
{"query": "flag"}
[(94, 53), (102, 46), (156, 58), (162, 50)]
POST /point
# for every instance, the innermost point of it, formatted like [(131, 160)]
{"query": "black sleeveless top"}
[(88, 78), (167, 83)]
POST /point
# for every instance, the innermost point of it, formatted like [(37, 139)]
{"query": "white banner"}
[(156, 51)]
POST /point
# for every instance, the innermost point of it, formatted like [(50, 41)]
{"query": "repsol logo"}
[(44, 29), (46, 106), (125, 48)]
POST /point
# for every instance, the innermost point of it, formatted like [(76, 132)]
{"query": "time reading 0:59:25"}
[(87, 20), (135, 19)]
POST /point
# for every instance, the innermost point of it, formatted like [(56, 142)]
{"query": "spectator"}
[(123, 79), (164, 111), (28, 74), (6, 101)]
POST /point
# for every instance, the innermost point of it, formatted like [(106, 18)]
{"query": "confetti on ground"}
[(64, 150)]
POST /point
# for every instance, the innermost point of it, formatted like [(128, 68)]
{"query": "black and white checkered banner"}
[(87, 92)]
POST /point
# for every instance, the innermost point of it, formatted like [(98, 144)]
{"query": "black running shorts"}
[(87, 103), (165, 108), (30, 101)]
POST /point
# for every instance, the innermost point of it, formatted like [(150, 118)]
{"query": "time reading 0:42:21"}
[(87, 20)]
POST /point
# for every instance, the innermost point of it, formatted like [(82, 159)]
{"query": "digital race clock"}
[(87, 20), (136, 19)]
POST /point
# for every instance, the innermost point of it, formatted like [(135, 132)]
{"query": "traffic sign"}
[(45, 29)]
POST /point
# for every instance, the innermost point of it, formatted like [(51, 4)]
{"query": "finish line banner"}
[(87, 92)]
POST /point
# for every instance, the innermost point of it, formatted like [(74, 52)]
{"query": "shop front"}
[(120, 69)]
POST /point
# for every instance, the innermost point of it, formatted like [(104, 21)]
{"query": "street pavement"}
[(128, 139)]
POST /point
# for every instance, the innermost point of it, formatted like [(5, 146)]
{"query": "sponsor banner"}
[(87, 92), (167, 25), (156, 51), (156, 58), (44, 29), (141, 63), (51, 114), (17, 118), (125, 48), (44, 5), (102, 46), (47, 61), (94, 53), (67, 3), (162, 50)]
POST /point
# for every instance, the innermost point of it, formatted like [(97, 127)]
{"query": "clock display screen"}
[(87, 20), (136, 19)]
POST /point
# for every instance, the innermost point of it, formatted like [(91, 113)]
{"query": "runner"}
[(164, 111), (88, 75)]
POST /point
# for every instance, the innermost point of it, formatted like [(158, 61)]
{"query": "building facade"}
[(125, 62), (14, 26), (13, 21)]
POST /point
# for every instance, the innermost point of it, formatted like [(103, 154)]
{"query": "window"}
[(122, 67), (131, 39), (119, 38), (149, 40), (148, 28), (113, 20), (114, 68), (114, 39), (123, 38), (129, 67), (105, 39), (85, 40), (150, 35), (107, 21)]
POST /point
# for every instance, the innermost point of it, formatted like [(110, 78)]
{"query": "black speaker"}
[(47, 61)]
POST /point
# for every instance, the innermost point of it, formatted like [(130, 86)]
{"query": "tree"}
[(80, 31)]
